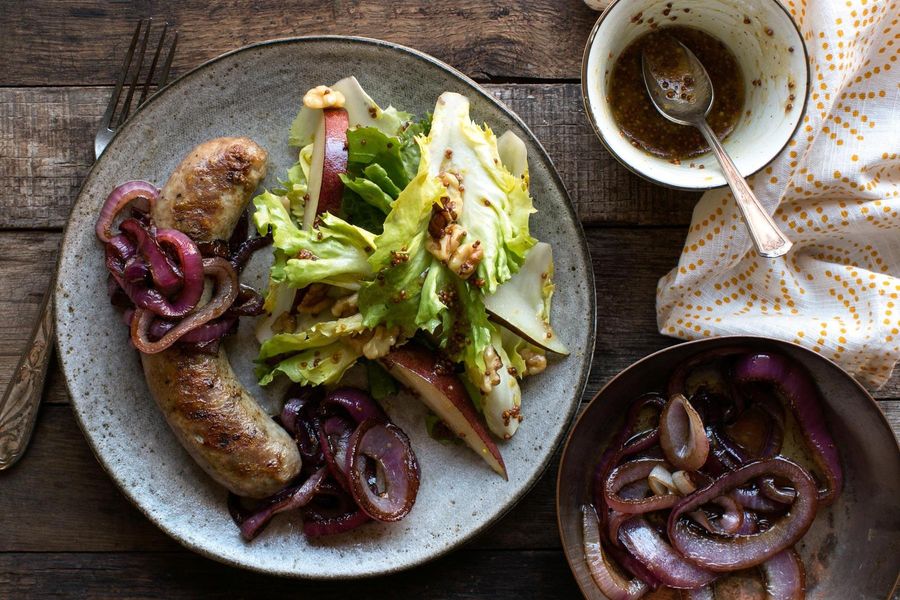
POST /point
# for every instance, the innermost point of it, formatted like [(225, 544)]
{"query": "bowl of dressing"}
[(757, 62)]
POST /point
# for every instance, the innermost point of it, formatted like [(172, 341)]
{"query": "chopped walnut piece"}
[(534, 362), (491, 376), (346, 306), (315, 300), (323, 96), (381, 341)]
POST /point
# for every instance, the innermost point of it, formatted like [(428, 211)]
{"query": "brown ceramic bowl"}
[(853, 547)]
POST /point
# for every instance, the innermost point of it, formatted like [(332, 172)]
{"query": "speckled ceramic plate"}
[(256, 91)]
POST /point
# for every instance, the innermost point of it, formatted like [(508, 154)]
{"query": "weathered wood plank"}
[(627, 264), (46, 148), (77, 43), (58, 499), (474, 575)]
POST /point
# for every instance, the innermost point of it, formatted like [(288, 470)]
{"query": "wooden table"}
[(64, 527)]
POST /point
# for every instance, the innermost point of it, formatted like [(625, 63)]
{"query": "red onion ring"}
[(771, 491), (118, 199), (681, 434), (631, 472), (643, 541), (334, 440), (743, 551), (245, 250), (784, 576), (357, 404), (389, 448), (163, 273), (290, 498), (793, 383), (730, 522), (120, 250), (753, 499), (214, 330), (226, 292), (331, 512), (610, 582)]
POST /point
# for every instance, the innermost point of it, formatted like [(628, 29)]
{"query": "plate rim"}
[(568, 422)]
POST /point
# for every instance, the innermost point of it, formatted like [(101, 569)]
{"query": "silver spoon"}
[(680, 89)]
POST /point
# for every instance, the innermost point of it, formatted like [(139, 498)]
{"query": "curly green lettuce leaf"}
[(334, 252), (496, 205), (320, 334), (369, 191), (322, 365)]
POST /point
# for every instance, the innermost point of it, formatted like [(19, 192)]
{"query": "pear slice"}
[(442, 391), (522, 304)]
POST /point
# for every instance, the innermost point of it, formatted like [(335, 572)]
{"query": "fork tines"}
[(131, 72)]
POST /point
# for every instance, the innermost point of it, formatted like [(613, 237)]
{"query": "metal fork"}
[(112, 119), (22, 398)]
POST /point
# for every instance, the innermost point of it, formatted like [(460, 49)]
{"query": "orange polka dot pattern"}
[(836, 188)]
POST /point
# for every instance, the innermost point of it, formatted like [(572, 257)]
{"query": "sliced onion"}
[(753, 499), (678, 380), (660, 481), (214, 330), (742, 551), (771, 491), (648, 546), (681, 434), (603, 573), (631, 472), (730, 522), (396, 470), (334, 439), (784, 576), (793, 383), (120, 250), (226, 292), (118, 200), (683, 482), (242, 253), (165, 278), (356, 403), (249, 303), (289, 498), (331, 512)]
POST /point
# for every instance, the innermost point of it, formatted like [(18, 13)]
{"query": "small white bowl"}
[(773, 60)]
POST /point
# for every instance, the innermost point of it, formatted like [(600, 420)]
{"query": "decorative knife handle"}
[(22, 398)]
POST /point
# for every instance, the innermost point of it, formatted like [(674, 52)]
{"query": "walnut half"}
[(323, 96)]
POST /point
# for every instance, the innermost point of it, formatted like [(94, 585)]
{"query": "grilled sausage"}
[(212, 414)]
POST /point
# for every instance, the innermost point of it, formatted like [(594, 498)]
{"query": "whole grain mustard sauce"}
[(641, 123)]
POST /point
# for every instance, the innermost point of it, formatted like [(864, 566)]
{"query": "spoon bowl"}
[(676, 80), (680, 89)]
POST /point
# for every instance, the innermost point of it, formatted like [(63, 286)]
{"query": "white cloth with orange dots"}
[(836, 188)]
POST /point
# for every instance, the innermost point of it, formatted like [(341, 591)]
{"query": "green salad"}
[(427, 245)]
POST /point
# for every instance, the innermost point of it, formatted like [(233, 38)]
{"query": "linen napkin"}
[(836, 188)]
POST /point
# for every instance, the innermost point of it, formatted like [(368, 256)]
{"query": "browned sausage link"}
[(212, 414)]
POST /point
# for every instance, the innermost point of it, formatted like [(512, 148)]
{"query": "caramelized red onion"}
[(794, 384), (671, 568), (604, 574), (382, 470), (631, 472), (784, 576), (226, 292), (334, 440), (357, 404), (722, 553), (681, 434), (117, 200), (290, 498)]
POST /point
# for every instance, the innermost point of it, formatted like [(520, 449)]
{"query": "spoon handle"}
[(769, 240)]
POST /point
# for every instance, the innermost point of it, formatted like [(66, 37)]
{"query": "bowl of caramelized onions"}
[(733, 467)]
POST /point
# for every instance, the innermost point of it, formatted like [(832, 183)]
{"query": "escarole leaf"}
[(334, 252), (496, 204), (402, 262), (318, 335), (322, 365)]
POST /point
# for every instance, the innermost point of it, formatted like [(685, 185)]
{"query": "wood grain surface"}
[(65, 530)]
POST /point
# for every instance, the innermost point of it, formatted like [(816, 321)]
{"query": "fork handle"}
[(22, 398), (767, 238)]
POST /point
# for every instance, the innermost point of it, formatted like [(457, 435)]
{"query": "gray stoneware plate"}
[(256, 91), (852, 549)]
